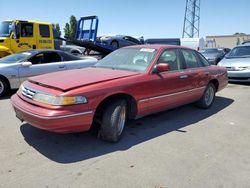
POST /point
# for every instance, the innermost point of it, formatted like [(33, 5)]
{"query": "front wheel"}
[(113, 121), (207, 99)]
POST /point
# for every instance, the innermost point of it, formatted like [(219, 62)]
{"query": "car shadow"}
[(70, 148)]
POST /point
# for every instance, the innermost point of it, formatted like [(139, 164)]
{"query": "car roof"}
[(43, 50), (157, 46)]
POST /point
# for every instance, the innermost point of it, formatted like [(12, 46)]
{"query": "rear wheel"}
[(115, 44), (113, 121), (4, 87), (207, 99)]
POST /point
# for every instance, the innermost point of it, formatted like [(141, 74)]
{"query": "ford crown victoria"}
[(129, 83)]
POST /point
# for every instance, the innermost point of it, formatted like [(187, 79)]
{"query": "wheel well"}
[(131, 102), (4, 78), (216, 83)]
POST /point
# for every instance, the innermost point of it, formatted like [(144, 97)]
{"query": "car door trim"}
[(169, 95)]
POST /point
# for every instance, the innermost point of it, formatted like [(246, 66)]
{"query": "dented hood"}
[(66, 80)]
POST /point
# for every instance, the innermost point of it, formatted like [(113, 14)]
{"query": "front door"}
[(42, 63), (167, 89), (27, 38)]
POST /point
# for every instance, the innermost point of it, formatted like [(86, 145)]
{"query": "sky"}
[(148, 18)]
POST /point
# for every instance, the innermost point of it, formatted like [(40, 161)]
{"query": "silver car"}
[(16, 68), (237, 62)]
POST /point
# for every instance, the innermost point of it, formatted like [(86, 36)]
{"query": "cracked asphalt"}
[(183, 147)]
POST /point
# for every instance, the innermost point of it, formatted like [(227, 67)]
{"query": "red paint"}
[(152, 92)]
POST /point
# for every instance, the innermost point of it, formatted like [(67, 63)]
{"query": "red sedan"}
[(129, 83)]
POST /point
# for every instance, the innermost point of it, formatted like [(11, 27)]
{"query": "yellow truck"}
[(18, 35)]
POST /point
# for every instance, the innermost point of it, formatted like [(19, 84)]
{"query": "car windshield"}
[(240, 51), (14, 58), (5, 29), (131, 59)]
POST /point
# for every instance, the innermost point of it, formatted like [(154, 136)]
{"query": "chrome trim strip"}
[(55, 117), (172, 94)]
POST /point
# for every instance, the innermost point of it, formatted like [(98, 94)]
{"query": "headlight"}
[(59, 100)]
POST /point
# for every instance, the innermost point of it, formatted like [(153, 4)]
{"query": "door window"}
[(26, 30), (190, 59), (45, 58), (44, 30), (170, 57)]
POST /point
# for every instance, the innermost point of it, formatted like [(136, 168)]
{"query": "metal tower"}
[(191, 19)]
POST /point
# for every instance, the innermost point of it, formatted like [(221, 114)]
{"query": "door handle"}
[(183, 76), (206, 73)]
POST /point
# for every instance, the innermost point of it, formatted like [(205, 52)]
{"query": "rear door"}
[(42, 63), (197, 72)]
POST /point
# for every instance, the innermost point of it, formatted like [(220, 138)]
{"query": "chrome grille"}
[(27, 92)]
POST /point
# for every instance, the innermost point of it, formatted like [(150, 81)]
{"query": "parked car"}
[(168, 41), (16, 68), (213, 55), (118, 41), (129, 83), (237, 62)]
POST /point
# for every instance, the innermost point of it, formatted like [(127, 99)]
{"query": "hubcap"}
[(209, 96), (1, 87), (122, 119)]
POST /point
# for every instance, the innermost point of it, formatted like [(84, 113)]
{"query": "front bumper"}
[(239, 76), (51, 120)]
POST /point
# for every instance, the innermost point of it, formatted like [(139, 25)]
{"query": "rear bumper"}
[(52, 120)]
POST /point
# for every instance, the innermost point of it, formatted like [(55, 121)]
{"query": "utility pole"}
[(192, 19)]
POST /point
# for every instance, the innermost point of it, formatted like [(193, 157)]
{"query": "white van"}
[(194, 43)]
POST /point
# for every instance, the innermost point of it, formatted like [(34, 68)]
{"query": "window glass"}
[(204, 60), (37, 59), (190, 59), (170, 57), (26, 30), (44, 30)]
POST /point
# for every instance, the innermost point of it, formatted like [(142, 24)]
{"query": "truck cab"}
[(18, 35)]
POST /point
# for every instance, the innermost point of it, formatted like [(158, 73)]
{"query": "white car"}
[(16, 68), (237, 62)]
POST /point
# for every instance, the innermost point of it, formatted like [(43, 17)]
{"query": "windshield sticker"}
[(26, 53), (147, 50)]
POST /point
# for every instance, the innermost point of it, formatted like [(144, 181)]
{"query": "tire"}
[(4, 87), (208, 97), (113, 121), (115, 44)]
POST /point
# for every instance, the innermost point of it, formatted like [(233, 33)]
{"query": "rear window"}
[(44, 30)]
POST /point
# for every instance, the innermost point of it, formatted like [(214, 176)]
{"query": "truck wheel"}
[(4, 87), (207, 99), (113, 121)]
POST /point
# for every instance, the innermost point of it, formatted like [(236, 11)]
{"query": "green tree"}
[(58, 29), (67, 30), (70, 28)]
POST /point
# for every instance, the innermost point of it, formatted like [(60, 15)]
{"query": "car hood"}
[(66, 80), (237, 62), (5, 65)]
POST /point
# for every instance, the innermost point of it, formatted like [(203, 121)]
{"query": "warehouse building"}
[(227, 41)]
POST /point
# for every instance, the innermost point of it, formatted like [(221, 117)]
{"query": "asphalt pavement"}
[(183, 147)]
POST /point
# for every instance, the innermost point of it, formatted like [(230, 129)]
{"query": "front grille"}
[(27, 92)]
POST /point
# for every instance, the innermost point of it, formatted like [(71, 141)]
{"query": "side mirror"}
[(26, 64), (162, 67)]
